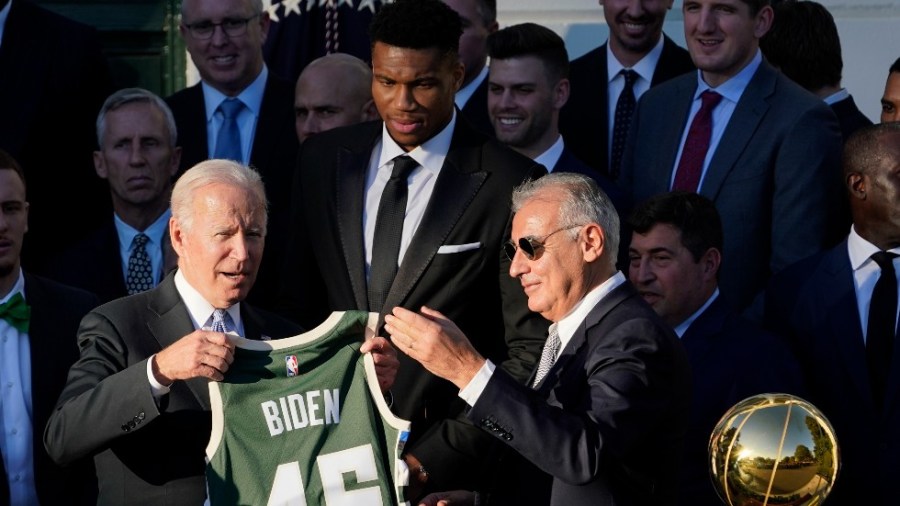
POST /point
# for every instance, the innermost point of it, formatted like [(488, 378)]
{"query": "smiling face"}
[(556, 279), (524, 105), (137, 157), (413, 91), (220, 250), (228, 64), (723, 36), (666, 274), (635, 26)]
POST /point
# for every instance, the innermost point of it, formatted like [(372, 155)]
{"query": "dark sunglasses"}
[(531, 246)]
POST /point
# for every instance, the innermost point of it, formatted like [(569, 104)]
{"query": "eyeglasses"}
[(236, 27), (531, 247)]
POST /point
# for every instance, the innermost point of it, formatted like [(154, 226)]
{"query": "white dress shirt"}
[(17, 438), (866, 273), (430, 156), (549, 158)]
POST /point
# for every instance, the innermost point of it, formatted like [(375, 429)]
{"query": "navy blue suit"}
[(476, 110), (731, 359), (814, 304)]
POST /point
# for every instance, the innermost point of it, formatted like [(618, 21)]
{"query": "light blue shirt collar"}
[(682, 327), (733, 88), (549, 158), (251, 96)]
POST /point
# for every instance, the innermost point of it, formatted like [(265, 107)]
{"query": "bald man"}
[(334, 90)]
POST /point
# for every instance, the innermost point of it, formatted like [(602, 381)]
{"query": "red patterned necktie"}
[(690, 166)]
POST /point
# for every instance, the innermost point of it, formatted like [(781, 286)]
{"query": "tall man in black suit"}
[(804, 44), (131, 251), (765, 150), (636, 43), (826, 304), (446, 249), (224, 39), (138, 399), (479, 20), (38, 321), (676, 252), (55, 78), (613, 383)]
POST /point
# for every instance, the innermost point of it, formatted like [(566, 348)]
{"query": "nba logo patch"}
[(292, 365)]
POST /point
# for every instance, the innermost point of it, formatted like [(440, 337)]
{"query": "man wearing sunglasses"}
[(238, 111), (602, 418)]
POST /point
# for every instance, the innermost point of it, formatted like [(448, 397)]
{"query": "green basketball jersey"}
[(302, 421)]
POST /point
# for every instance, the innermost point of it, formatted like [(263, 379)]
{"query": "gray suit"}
[(146, 452), (774, 177)]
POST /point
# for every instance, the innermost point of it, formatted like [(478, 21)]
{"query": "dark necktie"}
[(548, 356), (882, 325), (690, 167), (140, 272), (388, 230), (16, 312), (228, 142), (622, 122)]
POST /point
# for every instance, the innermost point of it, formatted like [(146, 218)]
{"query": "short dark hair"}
[(895, 67), (7, 162), (487, 9), (531, 39), (756, 5), (694, 215), (417, 24), (864, 149), (804, 44)]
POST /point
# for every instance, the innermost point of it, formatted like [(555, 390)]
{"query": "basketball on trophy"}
[(773, 449)]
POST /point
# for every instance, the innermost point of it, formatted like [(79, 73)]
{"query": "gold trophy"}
[(773, 449)]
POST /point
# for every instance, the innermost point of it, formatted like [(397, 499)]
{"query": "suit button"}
[(507, 437), (131, 424), (141, 416), (126, 428)]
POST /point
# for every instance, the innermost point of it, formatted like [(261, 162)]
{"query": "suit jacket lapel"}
[(579, 339), (266, 137), (173, 322), (195, 147), (750, 110), (349, 185), (457, 184), (841, 313), (698, 338), (670, 138)]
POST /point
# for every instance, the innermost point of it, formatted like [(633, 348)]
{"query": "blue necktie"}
[(228, 142), (221, 321), (140, 271)]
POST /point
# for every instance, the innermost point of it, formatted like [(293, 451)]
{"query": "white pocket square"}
[(457, 248)]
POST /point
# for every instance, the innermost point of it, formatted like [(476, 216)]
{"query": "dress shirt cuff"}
[(473, 390), (156, 388)]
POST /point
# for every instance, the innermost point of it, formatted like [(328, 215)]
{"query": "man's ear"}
[(593, 244), (856, 184)]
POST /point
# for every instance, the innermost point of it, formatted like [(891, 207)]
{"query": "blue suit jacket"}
[(814, 304), (731, 359), (775, 176)]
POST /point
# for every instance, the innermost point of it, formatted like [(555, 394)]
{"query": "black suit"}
[(584, 120), (144, 454), (476, 110), (469, 205), (274, 155), (55, 312), (731, 359), (849, 117), (608, 420), (813, 302), (54, 80), (94, 264)]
